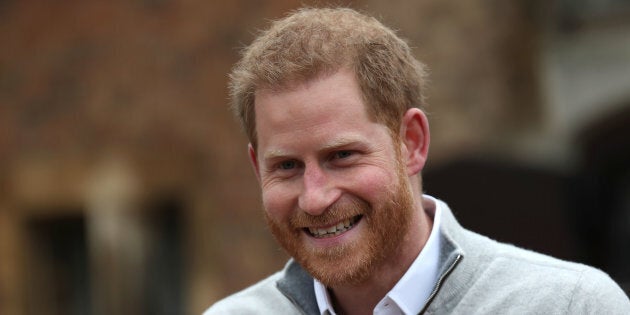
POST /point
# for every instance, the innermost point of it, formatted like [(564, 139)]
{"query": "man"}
[(331, 101)]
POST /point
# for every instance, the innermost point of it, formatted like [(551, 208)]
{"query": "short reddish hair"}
[(315, 41)]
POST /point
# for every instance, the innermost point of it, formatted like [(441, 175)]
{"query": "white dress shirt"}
[(414, 288)]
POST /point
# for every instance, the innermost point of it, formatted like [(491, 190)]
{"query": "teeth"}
[(333, 230)]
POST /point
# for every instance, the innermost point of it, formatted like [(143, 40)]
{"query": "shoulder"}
[(596, 291), (260, 298), (498, 278), (537, 269), (524, 279)]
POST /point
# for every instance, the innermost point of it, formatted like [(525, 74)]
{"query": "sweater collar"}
[(297, 286)]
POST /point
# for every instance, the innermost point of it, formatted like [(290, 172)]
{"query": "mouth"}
[(333, 230)]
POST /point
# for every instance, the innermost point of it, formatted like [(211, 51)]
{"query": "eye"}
[(342, 154), (287, 165)]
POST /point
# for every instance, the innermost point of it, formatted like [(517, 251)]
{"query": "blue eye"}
[(287, 165), (343, 154)]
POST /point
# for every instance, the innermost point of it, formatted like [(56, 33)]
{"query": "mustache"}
[(338, 211)]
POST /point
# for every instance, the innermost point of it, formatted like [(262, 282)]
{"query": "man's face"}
[(335, 193)]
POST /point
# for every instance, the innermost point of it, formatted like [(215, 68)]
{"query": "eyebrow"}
[(341, 142), (274, 154), (332, 145)]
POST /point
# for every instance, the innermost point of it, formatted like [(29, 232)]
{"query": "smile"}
[(334, 230)]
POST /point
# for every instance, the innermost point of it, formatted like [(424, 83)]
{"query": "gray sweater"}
[(477, 276)]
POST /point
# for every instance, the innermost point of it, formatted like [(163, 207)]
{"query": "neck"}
[(362, 298)]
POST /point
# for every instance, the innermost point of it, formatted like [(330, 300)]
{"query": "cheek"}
[(277, 203), (374, 183)]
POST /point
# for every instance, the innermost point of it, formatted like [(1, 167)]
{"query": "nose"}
[(318, 191)]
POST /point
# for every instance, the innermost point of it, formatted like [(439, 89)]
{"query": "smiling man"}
[(336, 193), (331, 101)]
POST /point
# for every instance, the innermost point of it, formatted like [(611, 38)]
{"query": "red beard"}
[(385, 227)]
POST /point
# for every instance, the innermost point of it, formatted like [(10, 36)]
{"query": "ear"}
[(414, 132), (253, 158)]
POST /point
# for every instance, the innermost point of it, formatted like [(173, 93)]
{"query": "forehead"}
[(327, 93), (321, 107)]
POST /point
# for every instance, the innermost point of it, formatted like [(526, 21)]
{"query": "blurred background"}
[(124, 182)]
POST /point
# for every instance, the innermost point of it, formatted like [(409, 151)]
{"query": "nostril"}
[(316, 203), (312, 204)]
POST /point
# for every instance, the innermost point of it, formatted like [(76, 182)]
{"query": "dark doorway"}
[(57, 266), (164, 270), (508, 201), (604, 194)]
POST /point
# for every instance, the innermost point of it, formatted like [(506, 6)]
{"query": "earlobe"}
[(254, 160), (416, 138)]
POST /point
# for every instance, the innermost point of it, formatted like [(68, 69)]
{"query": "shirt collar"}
[(414, 288)]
